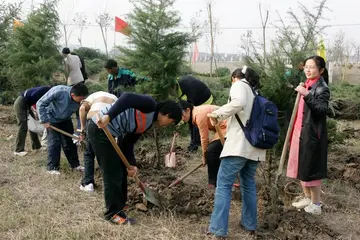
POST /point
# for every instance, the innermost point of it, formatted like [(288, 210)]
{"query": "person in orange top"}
[(211, 149)]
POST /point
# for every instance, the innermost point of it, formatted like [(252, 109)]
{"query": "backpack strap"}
[(236, 115)]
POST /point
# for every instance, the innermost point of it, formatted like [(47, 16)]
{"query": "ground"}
[(34, 205)]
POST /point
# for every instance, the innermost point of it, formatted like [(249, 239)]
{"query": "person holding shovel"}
[(211, 149), (89, 107), (195, 91), (127, 119), (309, 141), (55, 109), (22, 108), (237, 156)]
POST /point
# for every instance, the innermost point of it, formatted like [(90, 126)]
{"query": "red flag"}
[(121, 26), (195, 55)]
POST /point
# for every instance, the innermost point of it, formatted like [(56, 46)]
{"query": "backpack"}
[(262, 129)]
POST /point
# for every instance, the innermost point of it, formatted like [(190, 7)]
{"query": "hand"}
[(203, 161), (46, 125), (132, 171), (212, 115), (303, 91), (103, 121), (81, 136)]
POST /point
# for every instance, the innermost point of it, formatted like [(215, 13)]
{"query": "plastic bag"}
[(35, 126)]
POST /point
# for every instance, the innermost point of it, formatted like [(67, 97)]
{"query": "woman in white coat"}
[(237, 156)]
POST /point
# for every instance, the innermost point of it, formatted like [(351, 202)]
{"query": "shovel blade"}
[(170, 160), (154, 197)]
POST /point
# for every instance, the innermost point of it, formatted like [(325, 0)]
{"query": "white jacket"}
[(73, 68), (236, 144)]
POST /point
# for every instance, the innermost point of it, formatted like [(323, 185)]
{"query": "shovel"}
[(287, 138), (65, 133), (177, 181), (170, 158), (150, 194)]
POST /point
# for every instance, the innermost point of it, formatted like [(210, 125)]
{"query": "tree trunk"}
[(211, 40), (157, 145), (104, 38), (65, 35)]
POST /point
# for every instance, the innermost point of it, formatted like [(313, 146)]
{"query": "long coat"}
[(313, 148)]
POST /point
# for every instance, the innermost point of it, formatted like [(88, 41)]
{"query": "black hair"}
[(110, 63), (186, 104), (66, 50), (80, 90), (170, 108), (321, 64), (250, 75)]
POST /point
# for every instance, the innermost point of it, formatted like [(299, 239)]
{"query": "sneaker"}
[(116, 219), (43, 148), (53, 172), (79, 168), (302, 203), (313, 209), (20, 154), (87, 188)]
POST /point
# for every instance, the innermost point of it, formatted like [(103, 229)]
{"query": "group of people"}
[(128, 115)]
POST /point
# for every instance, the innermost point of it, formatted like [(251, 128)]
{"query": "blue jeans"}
[(229, 168), (56, 140)]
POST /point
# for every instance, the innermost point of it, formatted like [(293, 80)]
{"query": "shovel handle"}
[(122, 156), (288, 134), (184, 176), (217, 128), (173, 143), (65, 133)]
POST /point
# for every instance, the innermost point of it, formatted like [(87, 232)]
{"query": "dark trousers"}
[(89, 162), (212, 156), (195, 136), (113, 171), (57, 140), (22, 112)]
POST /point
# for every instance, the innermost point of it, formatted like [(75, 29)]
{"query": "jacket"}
[(56, 105), (123, 78), (313, 147), (200, 119), (193, 90), (73, 68), (241, 103)]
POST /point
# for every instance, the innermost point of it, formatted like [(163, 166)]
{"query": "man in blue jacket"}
[(56, 108), (127, 119), (22, 107)]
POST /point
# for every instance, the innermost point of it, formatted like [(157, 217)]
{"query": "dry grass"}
[(34, 205)]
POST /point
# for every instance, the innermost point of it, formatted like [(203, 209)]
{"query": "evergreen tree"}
[(156, 49), (32, 54)]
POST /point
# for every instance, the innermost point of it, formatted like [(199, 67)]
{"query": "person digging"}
[(126, 119), (89, 107), (56, 108), (211, 149)]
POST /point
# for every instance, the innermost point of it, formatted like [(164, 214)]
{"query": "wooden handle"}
[(65, 133), (121, 155), (185, 176), (218, 130), (288, 134), (172, 143)]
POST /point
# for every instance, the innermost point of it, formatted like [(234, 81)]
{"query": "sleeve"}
[(319, 104), (110, 84), (127, 146), (143, 103), (44, 102), (238, 96), (201, 122)]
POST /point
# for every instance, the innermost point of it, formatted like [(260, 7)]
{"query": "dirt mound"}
[(294, 224), (190, 199)]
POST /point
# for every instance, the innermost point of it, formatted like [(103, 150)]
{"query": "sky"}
[(234, 18)]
